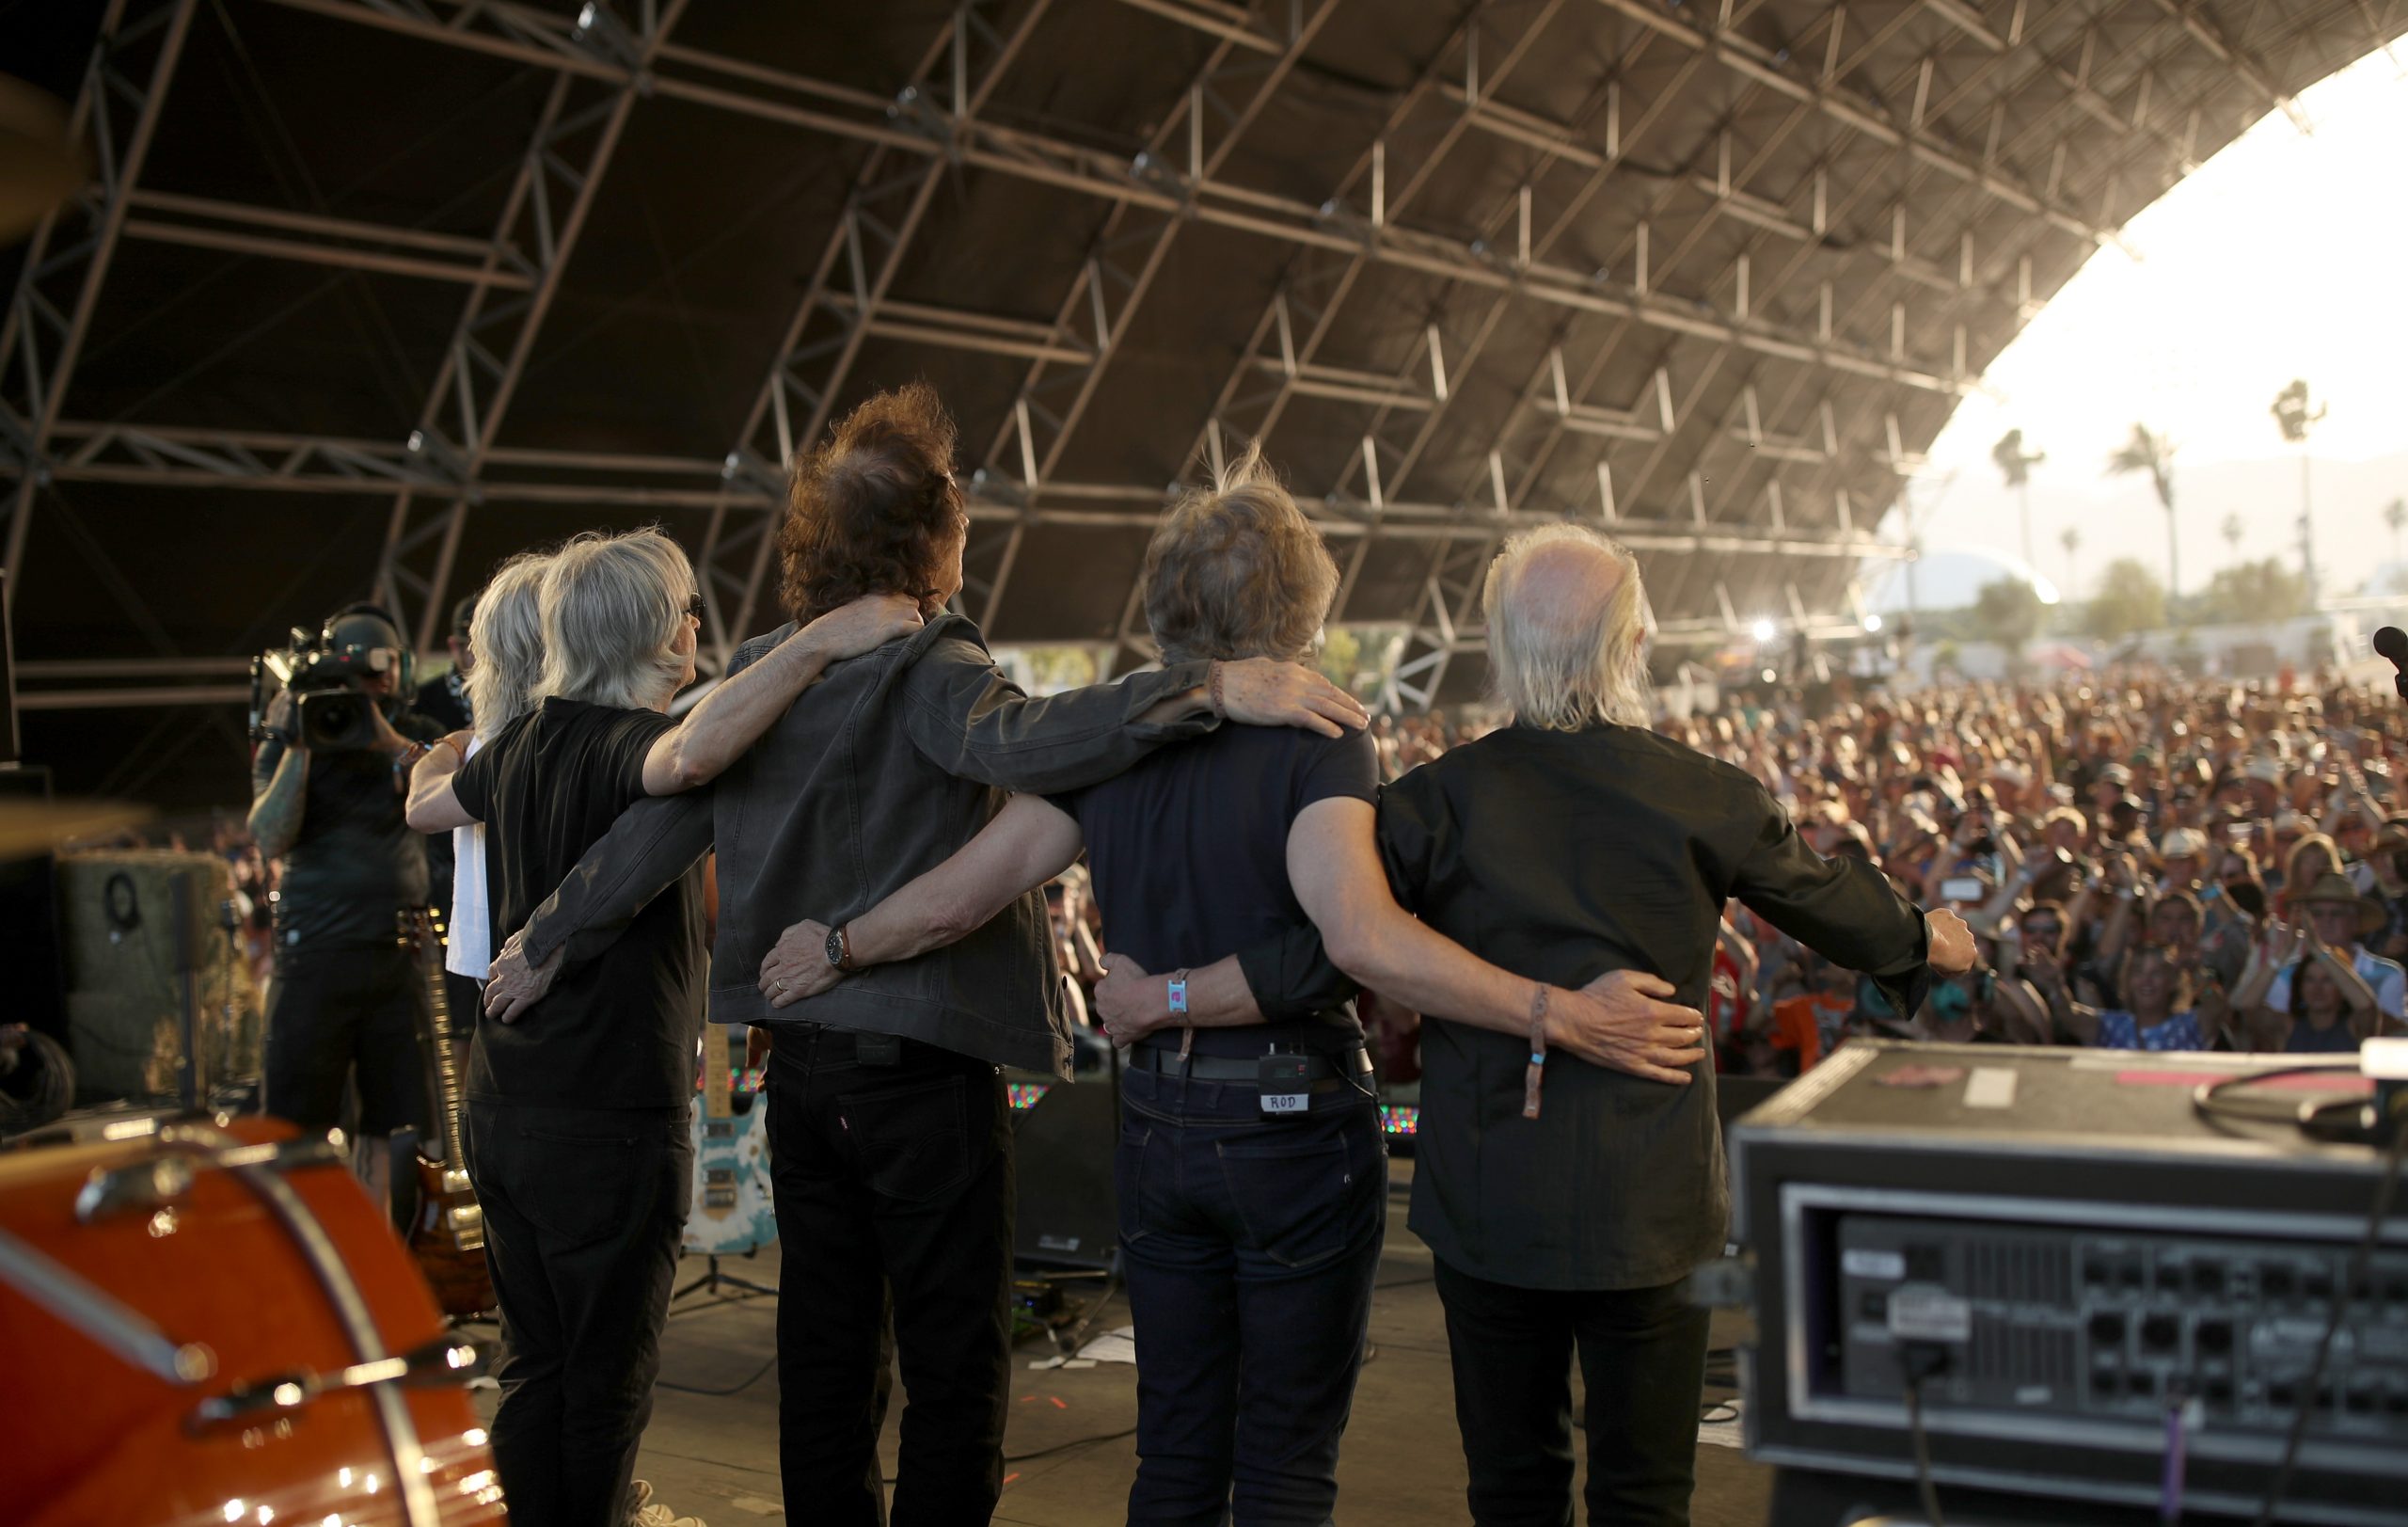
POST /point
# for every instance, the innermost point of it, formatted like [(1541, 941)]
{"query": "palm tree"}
[(2394, 515), (2070, 539), (2015, 463), (2294, 418), (2232, 529), (2153, 454)]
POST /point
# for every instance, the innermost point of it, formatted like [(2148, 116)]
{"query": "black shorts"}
[(336, 1013)]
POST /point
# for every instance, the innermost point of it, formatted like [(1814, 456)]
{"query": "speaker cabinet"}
[(144, 937), (1063, 1140)]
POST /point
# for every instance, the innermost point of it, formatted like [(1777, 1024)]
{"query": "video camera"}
[(329, 673)]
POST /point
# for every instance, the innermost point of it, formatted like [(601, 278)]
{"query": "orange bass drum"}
[(210, 1322)]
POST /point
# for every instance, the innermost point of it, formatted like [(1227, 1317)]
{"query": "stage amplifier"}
[(151, 958), (2101, 1296), (1062, 1162)]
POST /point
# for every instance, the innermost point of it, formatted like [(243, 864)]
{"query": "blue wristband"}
[(1178, 995)]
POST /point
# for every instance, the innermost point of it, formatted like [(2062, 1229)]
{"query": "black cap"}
[(462, 612)]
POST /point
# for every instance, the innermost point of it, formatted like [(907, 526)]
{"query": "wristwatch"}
[(839, 953)]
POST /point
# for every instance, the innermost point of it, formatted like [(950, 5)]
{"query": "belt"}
[(1230, 1068), (826, 1041)]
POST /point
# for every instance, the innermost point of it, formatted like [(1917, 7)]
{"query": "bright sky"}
[(2284, 256)]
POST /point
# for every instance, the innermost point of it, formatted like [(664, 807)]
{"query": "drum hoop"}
[(319, 1250), (123, 1330)]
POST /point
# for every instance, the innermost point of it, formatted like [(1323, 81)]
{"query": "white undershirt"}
[(470, 952)]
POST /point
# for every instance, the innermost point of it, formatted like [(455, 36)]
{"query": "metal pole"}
[(2306, 528)]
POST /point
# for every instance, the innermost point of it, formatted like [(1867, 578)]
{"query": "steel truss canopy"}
[(370, 294)]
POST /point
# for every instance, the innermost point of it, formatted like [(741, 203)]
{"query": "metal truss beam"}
[(1749, 60), (1786, 437), (1570, 413), (258, 461), (50, 312), (1317, 285), (341, 242), (848, 298), (1106, 296), (1728, 198), (1044, 160), (558, 179), (1444, 628), (2201, 28)]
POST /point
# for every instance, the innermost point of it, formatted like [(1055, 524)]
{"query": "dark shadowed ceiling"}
[(368, 296)]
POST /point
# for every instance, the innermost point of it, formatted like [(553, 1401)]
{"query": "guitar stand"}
[(713, 1279)]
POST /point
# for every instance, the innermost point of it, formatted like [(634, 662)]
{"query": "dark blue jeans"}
[(1249, 1241)]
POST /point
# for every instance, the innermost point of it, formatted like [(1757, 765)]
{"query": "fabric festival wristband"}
[(1179, 996), (1537, 1069)]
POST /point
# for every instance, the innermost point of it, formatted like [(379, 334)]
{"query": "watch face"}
[(835, 946)]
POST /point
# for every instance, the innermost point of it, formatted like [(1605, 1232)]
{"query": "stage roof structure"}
[(369, 293)]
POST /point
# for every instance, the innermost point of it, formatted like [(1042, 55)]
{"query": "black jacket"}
[(875, 775), (1561, 857)]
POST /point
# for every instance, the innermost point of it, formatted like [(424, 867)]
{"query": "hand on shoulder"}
[(1263, 691)]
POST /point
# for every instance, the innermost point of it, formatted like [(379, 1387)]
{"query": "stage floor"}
[(715, 1455)]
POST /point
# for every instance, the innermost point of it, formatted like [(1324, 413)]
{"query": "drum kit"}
[(209, 1320)]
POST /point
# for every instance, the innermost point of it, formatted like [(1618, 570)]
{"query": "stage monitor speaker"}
[(1063, 1140), (147, 950)]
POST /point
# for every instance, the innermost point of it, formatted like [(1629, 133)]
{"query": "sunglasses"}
[(694, 604)]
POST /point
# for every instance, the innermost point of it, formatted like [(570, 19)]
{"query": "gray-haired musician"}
[(578, 1140)]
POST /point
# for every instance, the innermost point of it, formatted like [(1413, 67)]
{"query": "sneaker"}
[(644, 1513)]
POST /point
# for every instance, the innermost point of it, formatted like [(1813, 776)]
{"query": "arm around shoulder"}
[(1029, 842), (749, 701)]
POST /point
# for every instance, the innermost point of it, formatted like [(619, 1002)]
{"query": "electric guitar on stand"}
[(448, 1233), (732, 1214)]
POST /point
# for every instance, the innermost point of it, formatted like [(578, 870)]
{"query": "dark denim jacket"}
[(875, 775)]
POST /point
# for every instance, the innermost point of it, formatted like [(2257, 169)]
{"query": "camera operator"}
[(326, 797)]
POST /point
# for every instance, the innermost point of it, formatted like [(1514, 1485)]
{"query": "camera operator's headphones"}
[(404, 660)]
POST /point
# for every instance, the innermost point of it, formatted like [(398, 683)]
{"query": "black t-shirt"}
[(620, 1030), (1189, 849), (356, 863)]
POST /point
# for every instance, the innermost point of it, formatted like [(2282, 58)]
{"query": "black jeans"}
[(1642, 1362), (334, 1012), (890, 1180), (583, 1212), (1249, 1243)]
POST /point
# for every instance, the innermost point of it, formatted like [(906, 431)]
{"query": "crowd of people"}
[(2147, 862)]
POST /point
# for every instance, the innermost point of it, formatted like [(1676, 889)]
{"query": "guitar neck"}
[(714, 1068), (446, 1069)]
